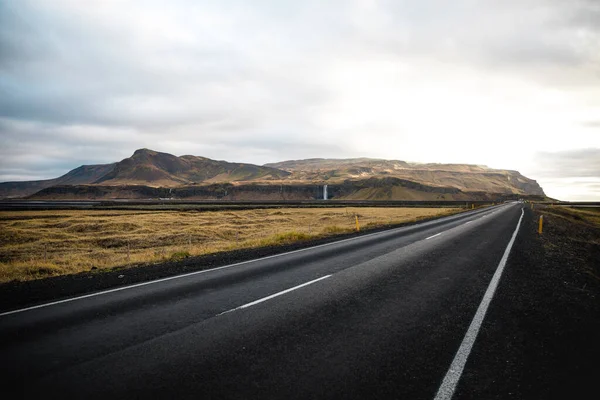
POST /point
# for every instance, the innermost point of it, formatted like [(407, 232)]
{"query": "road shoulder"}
[(540, 337)]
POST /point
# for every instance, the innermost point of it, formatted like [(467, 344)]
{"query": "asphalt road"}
[(376, 316)]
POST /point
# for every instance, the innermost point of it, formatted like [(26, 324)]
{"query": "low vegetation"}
[(37, 244), (573, 234), (586, 215)]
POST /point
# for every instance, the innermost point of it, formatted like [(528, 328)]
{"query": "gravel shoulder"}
[(541, 334)]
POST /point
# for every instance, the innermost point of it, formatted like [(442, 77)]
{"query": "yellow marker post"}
[(357, 226), (473, 206), (541, 224)]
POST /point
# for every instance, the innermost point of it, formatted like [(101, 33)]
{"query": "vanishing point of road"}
[(393, 314)]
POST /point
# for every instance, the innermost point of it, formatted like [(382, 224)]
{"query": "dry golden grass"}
[(37, 244), (589, 215)]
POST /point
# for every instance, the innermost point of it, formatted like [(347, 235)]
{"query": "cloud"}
[(570, 189), (262, 81), (570, 175), (145, 71), (591, 124), (120, 63), (580, 163)]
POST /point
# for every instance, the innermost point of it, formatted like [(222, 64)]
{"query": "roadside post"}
[(541, 224), (357, 226)]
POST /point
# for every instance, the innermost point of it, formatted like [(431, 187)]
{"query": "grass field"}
[(572, 234), (37, 244), (587, 215)]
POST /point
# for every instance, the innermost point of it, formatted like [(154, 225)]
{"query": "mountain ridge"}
[(156, 169), (84, 174)]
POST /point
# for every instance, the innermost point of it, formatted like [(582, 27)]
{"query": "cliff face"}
[(524, 184), (465, 177), (357, 178), (372, 189)]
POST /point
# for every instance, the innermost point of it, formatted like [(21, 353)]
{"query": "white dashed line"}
[(446, 390), (275, 295)]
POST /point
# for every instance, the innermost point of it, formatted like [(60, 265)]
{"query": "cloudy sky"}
[(511, 84)]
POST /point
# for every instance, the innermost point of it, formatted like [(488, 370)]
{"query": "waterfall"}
[(325, 192)]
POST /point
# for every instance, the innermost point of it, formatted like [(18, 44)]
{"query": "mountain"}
[(152, 174), (315, 164), (465, 177), (149, 168), (83, 175)]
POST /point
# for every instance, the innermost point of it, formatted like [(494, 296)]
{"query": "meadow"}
[(38, 244), (588, 215)]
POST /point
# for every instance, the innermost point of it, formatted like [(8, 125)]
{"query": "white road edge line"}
[(448, 386), (431, 237), (204, 271), (275, 295), (468, 222)]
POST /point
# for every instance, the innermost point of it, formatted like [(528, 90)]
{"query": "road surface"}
[(384, 315)]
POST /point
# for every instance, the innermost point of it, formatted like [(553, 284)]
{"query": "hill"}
[(149, 174), (147, 167), (465, 177), (83, 175)]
